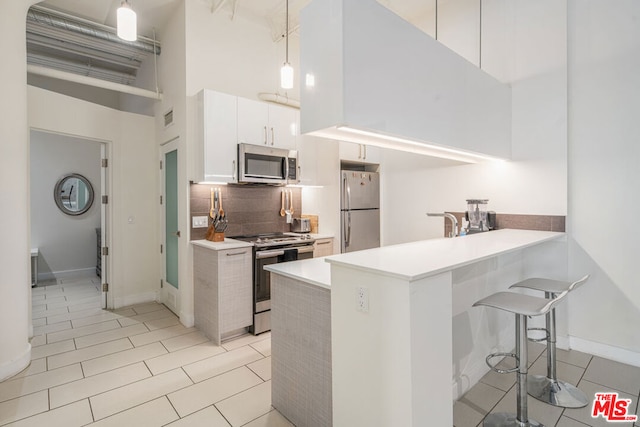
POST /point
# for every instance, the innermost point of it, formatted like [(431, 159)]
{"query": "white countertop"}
[(416, 260), (314, 271), (221, 246)]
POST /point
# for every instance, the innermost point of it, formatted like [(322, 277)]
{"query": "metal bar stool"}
[(522, 306), (549, 389)]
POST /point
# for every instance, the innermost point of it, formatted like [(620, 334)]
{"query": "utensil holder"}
[(213, 235)]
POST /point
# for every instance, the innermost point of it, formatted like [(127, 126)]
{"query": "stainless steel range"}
[(272, 249)]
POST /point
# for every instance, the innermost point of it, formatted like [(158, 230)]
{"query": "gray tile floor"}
[(496, 392)]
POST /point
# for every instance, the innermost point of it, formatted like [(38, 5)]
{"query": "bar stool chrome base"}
[(557, 393), (503, 419)]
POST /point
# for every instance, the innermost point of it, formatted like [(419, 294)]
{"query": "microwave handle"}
[(286, 168)]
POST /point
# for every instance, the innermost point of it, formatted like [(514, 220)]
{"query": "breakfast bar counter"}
[(404, 340)]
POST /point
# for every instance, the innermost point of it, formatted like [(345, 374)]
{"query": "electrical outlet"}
[(200, 221), (362, 299)]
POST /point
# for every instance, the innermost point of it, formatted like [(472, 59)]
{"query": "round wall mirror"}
[(73, 194)]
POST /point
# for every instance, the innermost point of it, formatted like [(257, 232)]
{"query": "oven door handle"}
[(268, 254), (305, 249)]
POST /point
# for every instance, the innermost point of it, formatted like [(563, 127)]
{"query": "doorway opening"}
[(68, 182)]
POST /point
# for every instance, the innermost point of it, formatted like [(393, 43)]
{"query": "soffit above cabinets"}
[(374, 78)]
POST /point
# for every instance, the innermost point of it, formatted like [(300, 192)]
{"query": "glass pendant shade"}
[(286, 76), (127, 23)]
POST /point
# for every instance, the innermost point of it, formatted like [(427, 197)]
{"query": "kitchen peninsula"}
[(404, 341)]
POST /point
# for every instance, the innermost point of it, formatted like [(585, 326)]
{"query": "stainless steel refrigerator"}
[(360, 211)]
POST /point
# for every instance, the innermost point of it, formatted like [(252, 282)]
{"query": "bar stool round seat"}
[(523, 306), (548, 388)]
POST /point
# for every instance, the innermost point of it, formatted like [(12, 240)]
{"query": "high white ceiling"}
[(154, 13), (60, 42)]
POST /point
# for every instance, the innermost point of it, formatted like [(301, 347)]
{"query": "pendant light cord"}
[(480, 39), (436, 19), (287, 33)]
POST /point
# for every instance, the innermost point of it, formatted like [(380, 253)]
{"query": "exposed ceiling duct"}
[(67, 43)]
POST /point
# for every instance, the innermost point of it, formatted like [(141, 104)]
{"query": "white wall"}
[(234, 56), (604, 94), (132, 184), (15, 292), (533, 60), (67, 244)]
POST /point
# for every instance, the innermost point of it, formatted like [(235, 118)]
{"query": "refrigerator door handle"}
[(347, 242), (347, 189)]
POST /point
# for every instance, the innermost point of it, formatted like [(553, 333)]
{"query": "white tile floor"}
[(137, 366)]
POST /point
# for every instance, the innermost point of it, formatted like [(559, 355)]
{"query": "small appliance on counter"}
[(301, 225), (478, 217)]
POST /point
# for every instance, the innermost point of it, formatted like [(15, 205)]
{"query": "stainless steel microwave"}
[(267, 165)]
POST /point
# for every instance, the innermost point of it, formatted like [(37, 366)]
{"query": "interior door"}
[(171, 232)]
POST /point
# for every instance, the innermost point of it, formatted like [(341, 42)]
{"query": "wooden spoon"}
[(220, 211), (291, 202), (282, 203)]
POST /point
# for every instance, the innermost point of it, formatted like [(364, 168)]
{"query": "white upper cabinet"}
[(359, 152), (308, 160), (284, 126), (216, 151), (261, 123), (378, 80)]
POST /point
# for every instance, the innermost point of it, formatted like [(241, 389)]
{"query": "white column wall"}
[(15, 289), (604, 102), (172, 76)]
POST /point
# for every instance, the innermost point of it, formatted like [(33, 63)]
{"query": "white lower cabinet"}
[(323, 247), (223, 294)]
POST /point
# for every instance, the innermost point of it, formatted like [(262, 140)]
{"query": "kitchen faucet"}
[(454, 221)]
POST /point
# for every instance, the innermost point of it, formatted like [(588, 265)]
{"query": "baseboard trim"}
[(12, 367), (606, 351), (134, 299), (66, 274)]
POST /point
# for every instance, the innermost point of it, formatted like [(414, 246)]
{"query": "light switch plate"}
[(200, 221)]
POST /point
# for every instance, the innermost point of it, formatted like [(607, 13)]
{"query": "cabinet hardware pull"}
[(273, 136), (323, 243), (233, 175), (237, 253), (265, 136), (359, 151), (364, 147)]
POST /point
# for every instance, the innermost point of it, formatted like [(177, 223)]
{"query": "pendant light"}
[(286, 72), (127, 22)]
